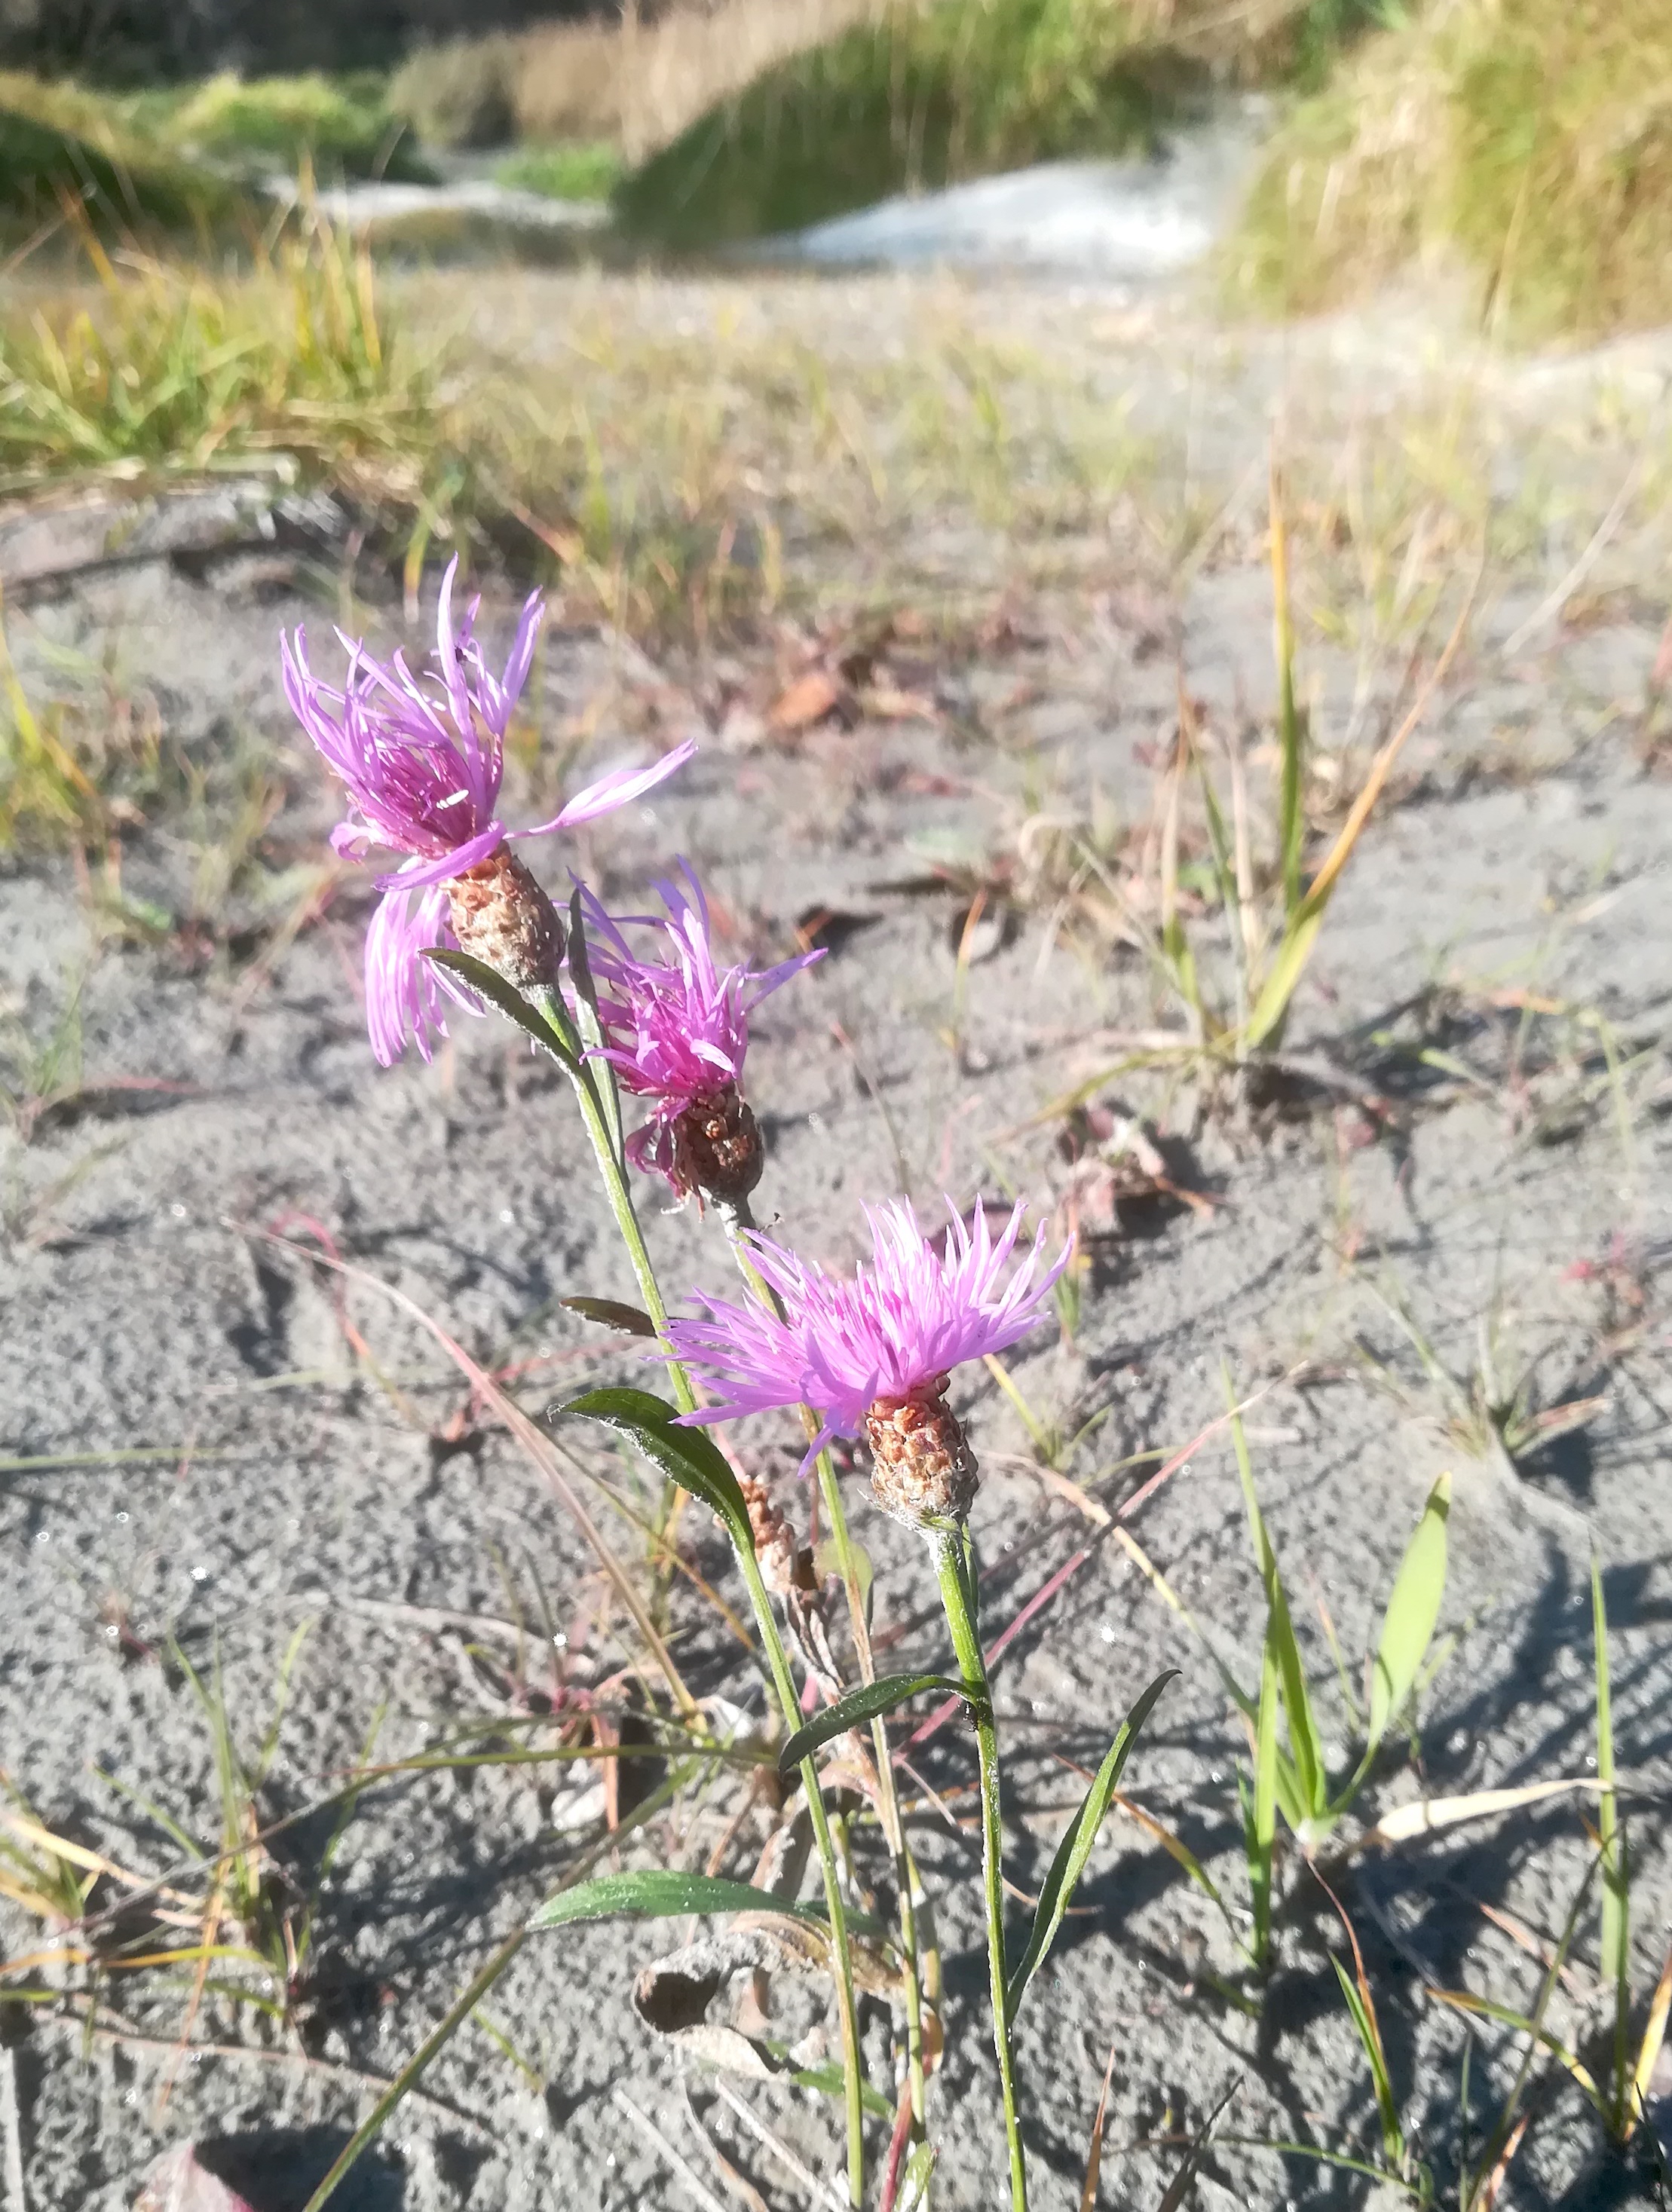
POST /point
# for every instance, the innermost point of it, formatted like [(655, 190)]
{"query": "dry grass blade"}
[(1088, 2195), (1654, 2035), (1486, 2197), (538, 1447), (779, 2149), (680, 2164), (1429, 1814)]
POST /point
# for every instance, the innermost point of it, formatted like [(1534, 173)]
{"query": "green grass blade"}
[(868, 1703), (914, 2183), (1075, 1848), (663, 1894), (1261, 1824), (1616, 1950), (1499, 2141), (1291, 818), (1304, 1739), (1413, 1614), (1370, 2036)]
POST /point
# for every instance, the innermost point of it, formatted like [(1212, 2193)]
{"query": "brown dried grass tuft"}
[(642, 81)]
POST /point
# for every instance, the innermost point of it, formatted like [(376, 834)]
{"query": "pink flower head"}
[(675, 1030), (422, 758), (910, 1316)]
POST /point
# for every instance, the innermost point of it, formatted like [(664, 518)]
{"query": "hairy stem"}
[(736, 1218), (853, 2077), (612, 1168), (953, 1568)]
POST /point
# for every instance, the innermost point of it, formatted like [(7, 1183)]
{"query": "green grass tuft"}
[(914, 99), (342, 126), (185, 158), (58, 145), (586, 171), (921, 97), (1532, 144)]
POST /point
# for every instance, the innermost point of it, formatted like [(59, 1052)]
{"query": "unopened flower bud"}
[(923, 1469), (717, 1148), (502, 917), (776, 1546)]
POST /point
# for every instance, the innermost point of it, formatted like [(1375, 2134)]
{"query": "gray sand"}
[(140, 1307)]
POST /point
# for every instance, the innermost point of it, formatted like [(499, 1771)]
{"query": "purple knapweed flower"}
[(873, 1352), (675, 1031), (422, 758)]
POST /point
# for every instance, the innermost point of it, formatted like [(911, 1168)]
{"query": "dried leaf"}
[(809, 699)]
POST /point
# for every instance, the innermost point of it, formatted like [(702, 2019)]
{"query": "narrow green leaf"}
[(630, 1321), (663, 1894), (1292, 955), (866, 1702), (1364, 2022), (1263, 1815), (1616, 1951), (1075, 1848), (491, 985), (1304, 1739), (914, 2183), (693, 1459), (824, 2081), (1412, 1614)]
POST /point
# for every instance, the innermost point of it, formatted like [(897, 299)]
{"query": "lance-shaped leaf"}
[(1412, 1614), (1311, 1780), (488, 984), (663, 1894), (866, 1702), (690, 1456), (1075, 1848), (611, 1313)]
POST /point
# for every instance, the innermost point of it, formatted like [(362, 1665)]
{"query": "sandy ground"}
[(1515, 1198)]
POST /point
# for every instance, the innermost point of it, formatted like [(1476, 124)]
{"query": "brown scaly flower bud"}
[(502, 917), (775, 1540), (717, 1148), (787, 1570), (923, 1469)]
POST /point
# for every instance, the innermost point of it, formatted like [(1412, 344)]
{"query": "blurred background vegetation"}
[(194, 287), (1525, 144)]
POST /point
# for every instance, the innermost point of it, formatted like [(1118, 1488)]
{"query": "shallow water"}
[(1129, 219), (1124, 220)]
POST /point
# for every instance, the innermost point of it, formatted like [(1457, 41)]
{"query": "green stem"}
[(613, 1170), (783, 1682), (888, 1797), (954, 1570), (735, 1218)]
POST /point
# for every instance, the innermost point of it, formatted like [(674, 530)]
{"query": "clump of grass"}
[(176, 371), (58, 145), (589, 170), (339, 126), (1532, 145), (911, 96), (904, 100)]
